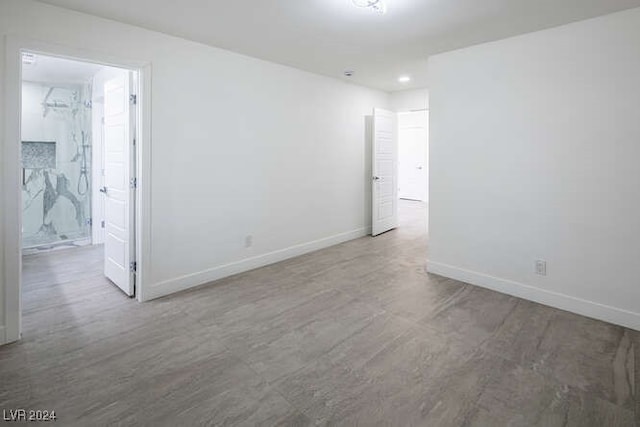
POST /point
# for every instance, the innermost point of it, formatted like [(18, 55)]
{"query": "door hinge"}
[(102, 223), (133, 266), (89, 221), (133, 99), (133, 183)]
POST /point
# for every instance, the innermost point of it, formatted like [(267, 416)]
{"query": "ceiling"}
[(331, 36), (48, 69)]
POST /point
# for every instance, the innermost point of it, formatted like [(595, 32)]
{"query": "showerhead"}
[(55, 104)]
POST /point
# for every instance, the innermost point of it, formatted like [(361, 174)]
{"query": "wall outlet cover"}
[(541, 267)]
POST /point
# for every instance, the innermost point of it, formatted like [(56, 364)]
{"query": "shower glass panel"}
[(56, 157)]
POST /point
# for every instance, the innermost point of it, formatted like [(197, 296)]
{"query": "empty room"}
[(322, 212)]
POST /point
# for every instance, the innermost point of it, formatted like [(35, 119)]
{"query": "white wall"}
[(239, 147), (535, 150), (410, 100)]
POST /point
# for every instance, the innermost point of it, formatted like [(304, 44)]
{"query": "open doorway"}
[(400, 158), (413, 156), (77, 156), (413, 164)]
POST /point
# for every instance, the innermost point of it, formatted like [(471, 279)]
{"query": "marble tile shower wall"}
[(56, 157)]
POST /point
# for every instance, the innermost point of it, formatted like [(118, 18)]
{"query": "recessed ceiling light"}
[(376, 5), (404, 79)]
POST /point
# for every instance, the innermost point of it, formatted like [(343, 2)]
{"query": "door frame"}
[(11, 187)]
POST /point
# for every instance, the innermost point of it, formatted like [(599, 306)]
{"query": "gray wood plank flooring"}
[(356, 334)]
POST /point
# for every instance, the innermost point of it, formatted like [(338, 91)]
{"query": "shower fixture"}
[(55, 104), (376, 5), (83, 179)]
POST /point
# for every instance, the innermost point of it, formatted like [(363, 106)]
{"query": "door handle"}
[(103, 190), (376, 178), (419, 167)]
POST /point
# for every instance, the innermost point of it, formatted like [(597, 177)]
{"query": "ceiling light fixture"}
[(377, 5), (404, 79)]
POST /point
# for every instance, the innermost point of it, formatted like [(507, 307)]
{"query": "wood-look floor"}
[(356, 334)]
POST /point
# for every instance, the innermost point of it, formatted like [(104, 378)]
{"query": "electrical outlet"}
[(541, 267), (248, 241)]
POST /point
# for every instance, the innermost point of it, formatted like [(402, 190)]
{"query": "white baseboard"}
[(581, 306), (202, 277)]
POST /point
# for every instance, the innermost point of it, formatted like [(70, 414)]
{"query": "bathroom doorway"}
[(77, 152)]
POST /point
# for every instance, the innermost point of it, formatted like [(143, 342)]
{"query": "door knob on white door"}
[(103, 190), (376, 178)]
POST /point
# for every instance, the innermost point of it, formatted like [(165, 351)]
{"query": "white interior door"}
[(385, 172), (412, 155), (118, 191)]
